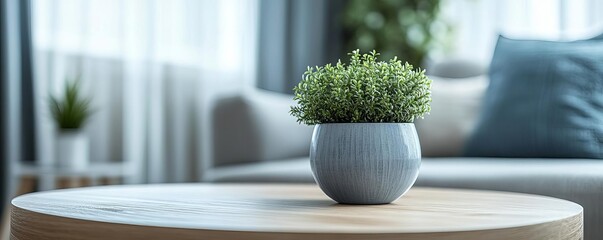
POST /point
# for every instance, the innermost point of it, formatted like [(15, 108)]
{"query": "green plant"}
[(72, 111), (409, 29), (366, 90)]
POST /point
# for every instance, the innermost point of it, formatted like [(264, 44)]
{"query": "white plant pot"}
[(72, 150)]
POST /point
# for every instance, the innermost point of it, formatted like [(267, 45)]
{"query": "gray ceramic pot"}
[(365, 163)]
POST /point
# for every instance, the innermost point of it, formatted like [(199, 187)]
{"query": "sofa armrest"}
[(256, 126)]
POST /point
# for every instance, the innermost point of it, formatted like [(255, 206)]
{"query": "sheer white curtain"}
[(151, 67), (477, 23)]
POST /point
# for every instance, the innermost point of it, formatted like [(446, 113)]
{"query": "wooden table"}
[(204, 211), (26, 177)]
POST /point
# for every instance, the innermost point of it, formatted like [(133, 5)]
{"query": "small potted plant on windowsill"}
[(70, 114), (365, 149)]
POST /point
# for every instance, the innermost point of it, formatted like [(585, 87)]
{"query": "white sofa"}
[(256, 140)]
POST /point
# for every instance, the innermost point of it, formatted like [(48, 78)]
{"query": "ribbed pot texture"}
[(365, 163)]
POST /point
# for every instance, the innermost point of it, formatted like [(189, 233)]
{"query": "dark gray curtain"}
[(294, 35), (3, 156), (16, 79), (28, 143)]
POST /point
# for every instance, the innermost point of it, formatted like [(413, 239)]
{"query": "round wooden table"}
[(285, 211)]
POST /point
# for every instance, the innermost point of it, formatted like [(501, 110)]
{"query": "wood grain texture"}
[(365, 163), (199, 211), (26, 184), (5, 228)]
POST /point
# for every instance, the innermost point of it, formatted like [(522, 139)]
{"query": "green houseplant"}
[(408, 29), (70, 112), (365, 149)]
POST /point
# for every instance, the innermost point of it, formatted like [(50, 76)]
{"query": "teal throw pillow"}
[(545, 99)]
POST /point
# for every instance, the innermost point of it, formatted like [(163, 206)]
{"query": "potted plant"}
[(70, 113), (365, 149)]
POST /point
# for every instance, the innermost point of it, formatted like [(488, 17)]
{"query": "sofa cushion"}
[(454, 111), (456, 68), (544, 100), (295, 170), (505, 173)]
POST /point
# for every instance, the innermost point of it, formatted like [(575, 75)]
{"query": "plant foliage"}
[(366, 90), (72, 110), (409, 29)]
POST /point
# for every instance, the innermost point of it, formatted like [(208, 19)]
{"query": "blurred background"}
[(155, 70)]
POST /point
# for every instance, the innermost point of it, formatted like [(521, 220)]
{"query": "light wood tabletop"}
[(286, 211)]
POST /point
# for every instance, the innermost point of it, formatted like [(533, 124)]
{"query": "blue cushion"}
[(545, 99), (600, 37)]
